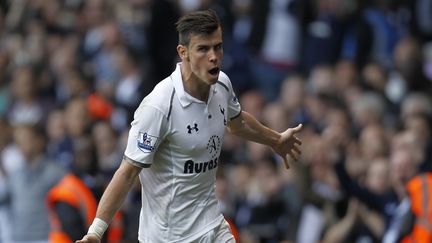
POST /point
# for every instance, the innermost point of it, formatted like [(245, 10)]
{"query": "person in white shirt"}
[(175, 141)]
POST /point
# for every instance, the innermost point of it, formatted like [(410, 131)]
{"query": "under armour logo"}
[(195, 127)]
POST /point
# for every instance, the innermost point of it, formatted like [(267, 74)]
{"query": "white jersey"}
[(179, 138)]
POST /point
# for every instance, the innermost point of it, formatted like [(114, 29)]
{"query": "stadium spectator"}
[(27, 187)]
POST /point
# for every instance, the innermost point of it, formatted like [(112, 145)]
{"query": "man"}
[(176, 137), (416, 224), (27, 187), (72, 203)]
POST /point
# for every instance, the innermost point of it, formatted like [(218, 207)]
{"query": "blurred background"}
[(356, 73)]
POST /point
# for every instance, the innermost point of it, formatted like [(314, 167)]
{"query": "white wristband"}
[(98, 227)]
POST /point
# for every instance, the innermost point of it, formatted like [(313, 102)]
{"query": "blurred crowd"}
[(357, 74)]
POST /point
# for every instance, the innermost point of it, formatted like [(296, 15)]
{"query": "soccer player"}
[(175, 141)]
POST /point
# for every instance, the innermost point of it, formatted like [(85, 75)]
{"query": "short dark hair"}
[(199, 22)]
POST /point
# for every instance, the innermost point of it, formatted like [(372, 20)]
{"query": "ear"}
[(182, 51)]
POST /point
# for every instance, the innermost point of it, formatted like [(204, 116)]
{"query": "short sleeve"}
[(145, 135), (234, 108)]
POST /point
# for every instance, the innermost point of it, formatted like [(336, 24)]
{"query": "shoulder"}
[(224, 81), (160, 98)]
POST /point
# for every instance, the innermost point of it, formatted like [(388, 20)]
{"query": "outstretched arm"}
[(113, 196), (285, 143)]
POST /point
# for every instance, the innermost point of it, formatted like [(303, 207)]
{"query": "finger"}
[(286, 162), (297, 128), (293, 155), (296, 149), (297, 140)]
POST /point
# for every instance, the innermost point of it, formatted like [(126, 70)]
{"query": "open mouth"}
[(214, 71)]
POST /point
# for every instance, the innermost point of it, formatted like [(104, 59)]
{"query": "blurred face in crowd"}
[(319, 160), (29, 142), (419, 125), (106, 143), (375, 76), (406, 56), (338, 117), (56, 125), (407, 140), (23, 84), (94, 11), (403, 166), (83, 155), (77, 117), (203, 56), (111, 35), (253, 102), (345, 74), (75, 85), (368, 109), (416, 103), (373, 142), (275, 117), (377, 176), (292, 93), (105, 138), (316, 108), (321, 79)]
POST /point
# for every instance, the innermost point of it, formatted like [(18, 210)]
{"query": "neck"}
[(192, 85)]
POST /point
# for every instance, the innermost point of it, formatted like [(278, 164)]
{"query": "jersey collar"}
[(185, 98)]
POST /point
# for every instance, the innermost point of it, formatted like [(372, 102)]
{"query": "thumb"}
[(298, 128)]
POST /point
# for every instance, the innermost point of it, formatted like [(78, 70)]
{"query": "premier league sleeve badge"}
[(146, 142)]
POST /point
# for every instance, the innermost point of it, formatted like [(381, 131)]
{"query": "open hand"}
[(289, 144)]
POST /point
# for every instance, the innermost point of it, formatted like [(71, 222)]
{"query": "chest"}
[(28, 184), (198, 129)]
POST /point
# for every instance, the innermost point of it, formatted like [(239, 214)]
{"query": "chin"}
[(209, 79), (213, 81)]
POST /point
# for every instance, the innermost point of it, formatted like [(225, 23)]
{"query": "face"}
[(403, 165), (56, 125), (203, 56), (76, 118), (22, 135), (377, 176), (373, 142)]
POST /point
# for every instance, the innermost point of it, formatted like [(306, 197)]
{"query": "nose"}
[(213, 57)]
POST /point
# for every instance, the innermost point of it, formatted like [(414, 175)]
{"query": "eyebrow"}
[(203, 45)]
